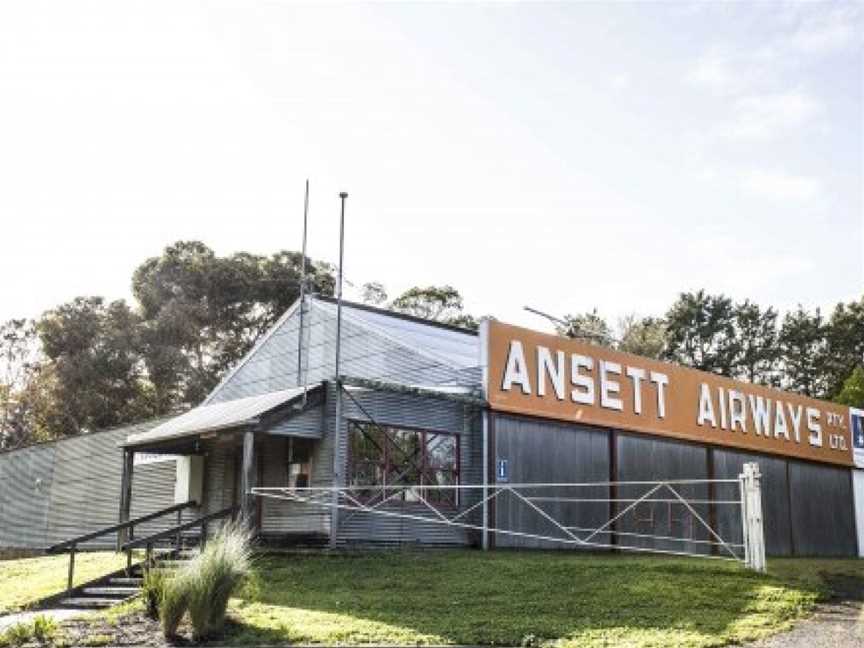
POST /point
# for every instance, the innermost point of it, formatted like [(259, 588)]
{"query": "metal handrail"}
[(119, 527), (167, 533), (72, 544), (150, 540)]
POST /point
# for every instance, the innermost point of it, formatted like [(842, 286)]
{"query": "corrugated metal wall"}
[(388, 408), (728, 464), (540, 451), (54, 491), (807, 507), (365, 354), (823, 522)]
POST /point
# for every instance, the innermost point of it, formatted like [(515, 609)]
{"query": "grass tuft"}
[(204, 586)]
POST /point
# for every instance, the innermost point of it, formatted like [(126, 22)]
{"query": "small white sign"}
[(856, 424), (144, 458)]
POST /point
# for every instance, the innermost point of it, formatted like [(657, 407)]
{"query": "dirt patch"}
[(135, 629)]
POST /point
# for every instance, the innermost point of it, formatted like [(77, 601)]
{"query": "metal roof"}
[(454, 347), (218, 416)]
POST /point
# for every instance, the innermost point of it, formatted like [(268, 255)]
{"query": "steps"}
[(113, 590)]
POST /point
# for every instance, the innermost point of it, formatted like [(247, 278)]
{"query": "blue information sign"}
[(502, 471)]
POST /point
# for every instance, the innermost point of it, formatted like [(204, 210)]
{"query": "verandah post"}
[(124, 535), (249, 480)]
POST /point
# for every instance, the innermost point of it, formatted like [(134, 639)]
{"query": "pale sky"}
[(564, 156)]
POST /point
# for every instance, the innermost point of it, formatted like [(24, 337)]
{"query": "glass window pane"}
[(441, 450)]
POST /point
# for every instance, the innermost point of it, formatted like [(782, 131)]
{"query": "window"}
[(382, 456), (299, 462)]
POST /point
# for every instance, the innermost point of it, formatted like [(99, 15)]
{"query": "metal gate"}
[(556, 504)]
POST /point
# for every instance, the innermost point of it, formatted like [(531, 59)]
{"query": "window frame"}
[(355, 426)]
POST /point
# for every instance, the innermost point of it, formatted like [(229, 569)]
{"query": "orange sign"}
[(553, 377)]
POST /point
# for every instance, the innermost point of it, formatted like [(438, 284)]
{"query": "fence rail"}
[(749, 549)]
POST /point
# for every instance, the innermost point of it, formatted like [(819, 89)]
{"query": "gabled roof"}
[(450, 345), (218, 416)]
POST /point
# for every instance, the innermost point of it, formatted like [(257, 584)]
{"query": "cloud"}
[(766, 116), (781, 187), (718, 72), (823, 32)]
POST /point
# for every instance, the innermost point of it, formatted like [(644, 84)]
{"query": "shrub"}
[(44, 628), (17, 634), (213, 577), (173, 604), (204, 585), (153, 591)]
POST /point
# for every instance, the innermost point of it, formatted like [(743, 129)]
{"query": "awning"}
[(218, 416)]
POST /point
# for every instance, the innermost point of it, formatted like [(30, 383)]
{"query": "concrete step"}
[(87, 602), (171, 564), (123, 581), (107, 591)]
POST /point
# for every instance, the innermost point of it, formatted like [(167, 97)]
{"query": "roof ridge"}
[(377, 330)]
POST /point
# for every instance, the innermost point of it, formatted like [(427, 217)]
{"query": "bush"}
[(44, 628), (204, 586), (153, 591), (214, 575), (17, 634), (173, 604)]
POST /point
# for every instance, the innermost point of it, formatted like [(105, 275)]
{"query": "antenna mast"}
[(301, 379)]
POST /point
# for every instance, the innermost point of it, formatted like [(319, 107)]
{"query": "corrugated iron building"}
[(421, 385)]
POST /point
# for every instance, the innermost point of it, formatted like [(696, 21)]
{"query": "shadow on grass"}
[(502, 598)]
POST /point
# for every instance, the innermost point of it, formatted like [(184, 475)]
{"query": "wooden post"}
[(124, 536), (249, 480), (752, 522), (71, 577)]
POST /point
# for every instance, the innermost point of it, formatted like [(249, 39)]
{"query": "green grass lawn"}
[(29, 579), (524, 598)]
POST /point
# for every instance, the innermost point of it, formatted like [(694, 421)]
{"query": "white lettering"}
[(555, 371), (637, 375), (585, 395), (795, 415), (661, 380), (516, 372), (722, 399), (780, 427), (760, 410), (610, 387), (813, 416), (706, 407), (737, 414)]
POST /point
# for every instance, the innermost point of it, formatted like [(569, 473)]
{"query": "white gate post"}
[(751, 518)]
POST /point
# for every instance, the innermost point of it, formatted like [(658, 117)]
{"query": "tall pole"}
[(300, 378), (337, 430)]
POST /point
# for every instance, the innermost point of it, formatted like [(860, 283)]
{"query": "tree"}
[(437, 303), (700, 332), (96, 377), (802, 352), (374, 293), (852, 392), (202, 313), (844, 345), (19, 363), (588, 327), (645, 336), (756, 331)]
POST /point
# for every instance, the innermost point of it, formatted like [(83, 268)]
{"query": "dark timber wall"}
[(807, 507)]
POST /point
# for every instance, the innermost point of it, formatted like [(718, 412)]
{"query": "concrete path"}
[(58, 614), (835, 625)]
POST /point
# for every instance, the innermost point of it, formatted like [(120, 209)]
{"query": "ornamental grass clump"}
[(204, 586)]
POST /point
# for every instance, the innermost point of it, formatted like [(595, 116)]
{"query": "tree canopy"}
[(92, 363)]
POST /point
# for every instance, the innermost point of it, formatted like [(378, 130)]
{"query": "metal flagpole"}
[(337, 428), (300, 378)]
